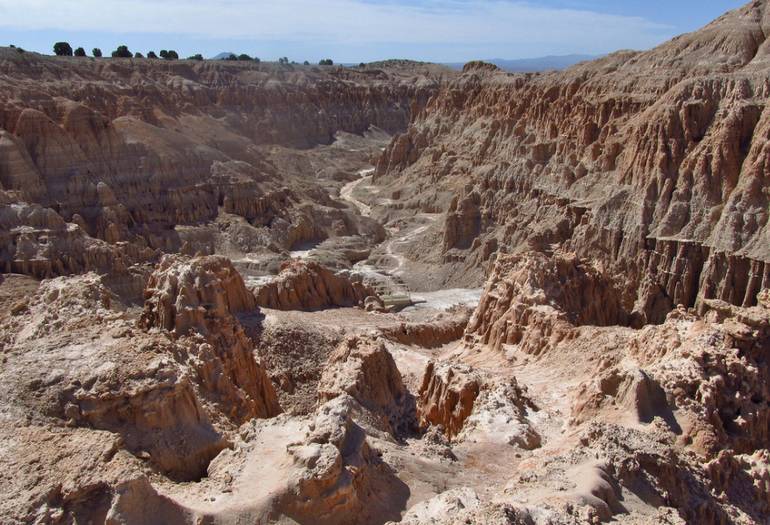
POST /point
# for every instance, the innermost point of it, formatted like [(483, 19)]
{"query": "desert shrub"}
[(122, 52), (80, 52), (62, 49), (96, 52)]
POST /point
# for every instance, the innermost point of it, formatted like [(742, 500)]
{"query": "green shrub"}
[(122, 52), (197, 56), (62, 49), (80, 52), (244, 57), (138, 55), (152, 54), (326, 62), (96, 52)]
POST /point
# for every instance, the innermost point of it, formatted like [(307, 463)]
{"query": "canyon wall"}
[(655, 164), (101, 161)]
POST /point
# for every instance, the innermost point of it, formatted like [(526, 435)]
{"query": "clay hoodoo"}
[(202, 296)]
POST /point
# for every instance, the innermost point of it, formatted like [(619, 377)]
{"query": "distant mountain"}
[(526, 65), (222, 56)]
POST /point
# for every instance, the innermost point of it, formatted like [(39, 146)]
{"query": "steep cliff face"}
[(126, 151), (654, 163)]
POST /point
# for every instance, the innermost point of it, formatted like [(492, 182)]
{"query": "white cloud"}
[(488, 23)]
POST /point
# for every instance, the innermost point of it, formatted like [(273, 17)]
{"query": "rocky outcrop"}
[(468, 404), (200, 298), (533, 300), (365, 370), (193, 295), (340, 472), (653, 163), (447, 395), (306, 285), (438, 331), (500, 416)]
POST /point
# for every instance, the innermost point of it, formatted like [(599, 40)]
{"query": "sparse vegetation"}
[(231, 57), (96, 52), (283, 61), (138, 55), (80, 52), (306, 63), (169, 54), (244, 57), (152, 54), (122, 52), (197, 56), (326, 62), (62, 49)]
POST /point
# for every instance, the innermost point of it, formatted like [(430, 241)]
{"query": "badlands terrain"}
[(258, 293)]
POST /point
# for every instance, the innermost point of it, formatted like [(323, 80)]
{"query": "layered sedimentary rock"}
[(201, 297), (105, 158), (307, 285), (532, 300), (654, 163)]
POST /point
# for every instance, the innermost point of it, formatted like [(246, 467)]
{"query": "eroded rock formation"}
[(201, 296), (447, 395), (307, 285), (365, 370), (104, 164), (534, 300), (653, 163)]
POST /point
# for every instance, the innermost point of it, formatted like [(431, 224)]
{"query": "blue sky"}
[(356, 30)]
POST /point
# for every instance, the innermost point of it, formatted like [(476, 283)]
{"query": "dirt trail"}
[(397, 238), (346, 193)]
